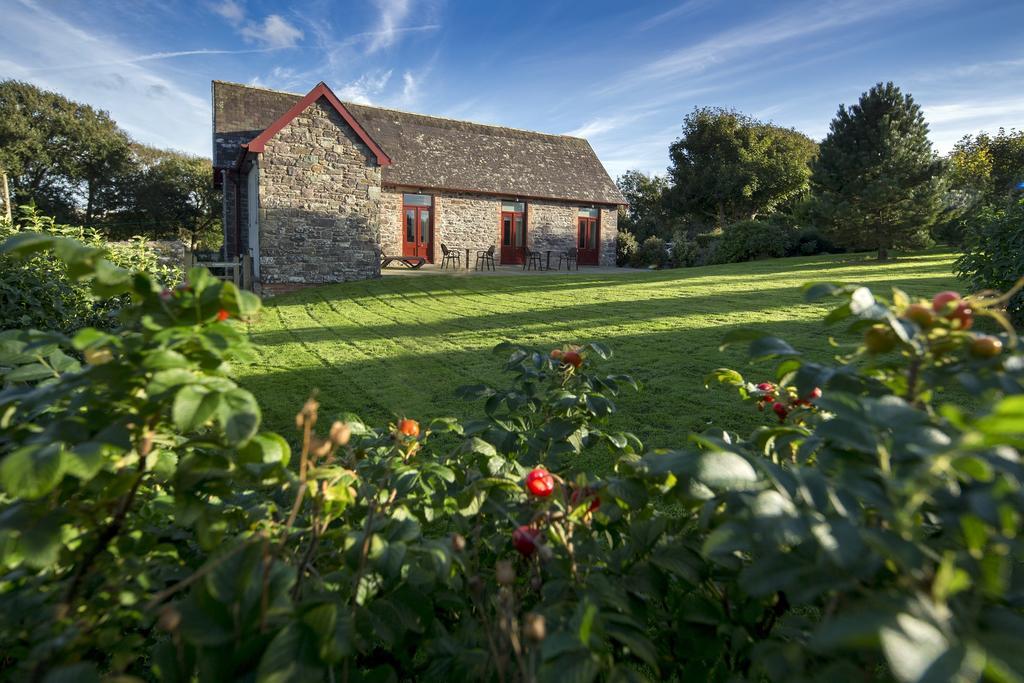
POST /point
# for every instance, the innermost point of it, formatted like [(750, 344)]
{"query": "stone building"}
[(316, 189)]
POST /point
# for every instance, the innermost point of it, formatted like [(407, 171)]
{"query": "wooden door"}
[(513, 237), (588, 241), (417, 233)]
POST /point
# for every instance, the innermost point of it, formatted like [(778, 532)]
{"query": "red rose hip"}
[(525, 540), (540, 482)]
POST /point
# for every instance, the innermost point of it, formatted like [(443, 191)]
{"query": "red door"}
[(417, 237), (588, 241), (513, 233)]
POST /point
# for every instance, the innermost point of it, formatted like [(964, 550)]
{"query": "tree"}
[(989, 167), (876, 181), (172, 195), (645, 216), (61, 155), (728, 167)]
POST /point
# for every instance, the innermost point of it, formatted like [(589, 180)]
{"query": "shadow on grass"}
[(403, 319), (671, 366)]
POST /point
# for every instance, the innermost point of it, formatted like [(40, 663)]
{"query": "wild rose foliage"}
[(149, 528)]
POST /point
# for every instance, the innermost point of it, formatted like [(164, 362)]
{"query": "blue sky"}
[(622, 74)]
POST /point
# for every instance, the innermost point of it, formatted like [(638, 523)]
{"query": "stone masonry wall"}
[(319, 205), (609, 235), (468, 220)]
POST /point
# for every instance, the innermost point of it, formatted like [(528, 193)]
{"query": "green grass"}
[(401, 345)]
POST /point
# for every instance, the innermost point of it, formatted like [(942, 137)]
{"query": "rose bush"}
[(150, 530)]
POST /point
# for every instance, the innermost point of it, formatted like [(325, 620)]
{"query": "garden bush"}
[(625, 248), (652, 252), (685, 252), (150, 529), (754, 239), (40, 293), (995, 255), (810, 242)]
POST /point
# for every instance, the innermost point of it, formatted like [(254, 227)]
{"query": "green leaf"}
[(770, 347), (193, 406), (239, 415), (911, 645), (724, 376), (265, 448), (291, 657), (32, 471), (29, 373)]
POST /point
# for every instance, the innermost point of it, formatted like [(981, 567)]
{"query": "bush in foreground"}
[(149, 528), (40, 292)]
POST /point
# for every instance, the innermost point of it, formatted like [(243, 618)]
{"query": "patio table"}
[(467, 258), (547, 265)]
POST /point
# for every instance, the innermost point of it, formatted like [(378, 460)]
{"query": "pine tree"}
[(877, 181)]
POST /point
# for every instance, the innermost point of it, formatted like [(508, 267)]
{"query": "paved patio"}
[(435, 269)]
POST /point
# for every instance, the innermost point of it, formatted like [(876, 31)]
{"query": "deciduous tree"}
[(728, 167), (645, 216)]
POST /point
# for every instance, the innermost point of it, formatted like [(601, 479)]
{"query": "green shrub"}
[(652, 252), (810, 242), (995, 255), (685, 252), (38, 292), (625, 248), (149, 529), (754, 239)]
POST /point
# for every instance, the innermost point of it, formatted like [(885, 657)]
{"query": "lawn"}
[(401, 345)]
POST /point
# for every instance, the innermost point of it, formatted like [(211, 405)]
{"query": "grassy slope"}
[(401, 345)]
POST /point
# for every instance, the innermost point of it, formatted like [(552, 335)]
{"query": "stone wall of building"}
[(319, 203), (609, 235), (474, 221)]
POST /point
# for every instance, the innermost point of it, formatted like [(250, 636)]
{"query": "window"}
[(590, 213), (513, 207), (418, 200)]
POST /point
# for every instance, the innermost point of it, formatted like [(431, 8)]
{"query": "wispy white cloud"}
[(972, 110), (151, 57), (366, 88), (738, 42), (391, 14), (146, 103), (275, 32), (680, 10), (230, 10), (596, 127)]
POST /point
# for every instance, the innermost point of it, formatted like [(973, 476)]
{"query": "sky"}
[(621, 74)]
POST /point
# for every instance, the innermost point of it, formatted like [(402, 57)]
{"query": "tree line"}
[(74, 163), (874, 183)]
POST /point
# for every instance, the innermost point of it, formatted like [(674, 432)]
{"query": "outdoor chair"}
[(570, 259), (485, 258), (450, 257), (532, 260)]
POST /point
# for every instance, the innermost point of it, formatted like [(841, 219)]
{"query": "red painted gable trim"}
[(321, 90)]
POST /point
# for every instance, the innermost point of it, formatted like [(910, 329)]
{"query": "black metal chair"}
[(485, 258), (450, 257), (571, 259), (532, 260)]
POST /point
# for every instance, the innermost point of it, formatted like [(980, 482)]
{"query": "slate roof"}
[(433, 152)]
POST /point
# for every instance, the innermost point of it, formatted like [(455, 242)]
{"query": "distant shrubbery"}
[(653, 252), (625, 248), (39, 293), (995, 258)]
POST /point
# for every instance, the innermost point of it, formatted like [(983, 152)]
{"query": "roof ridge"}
[(411, 113)]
